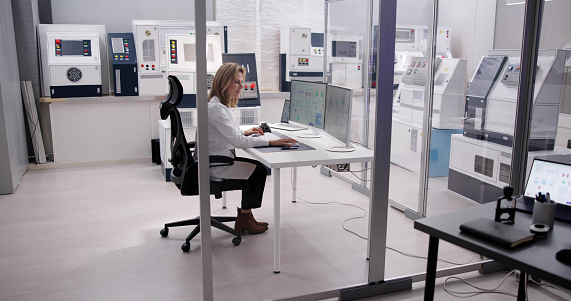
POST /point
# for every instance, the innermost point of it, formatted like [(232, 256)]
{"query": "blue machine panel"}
[(123, 57)]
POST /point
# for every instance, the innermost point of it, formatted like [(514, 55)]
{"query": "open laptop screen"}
[(549, 177)]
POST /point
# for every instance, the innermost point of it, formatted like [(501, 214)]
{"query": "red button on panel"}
[(58, 41), (173, 51), (153, 66), (253, 86), (173, 56), (85, 50), (142, 66), (127, 56)]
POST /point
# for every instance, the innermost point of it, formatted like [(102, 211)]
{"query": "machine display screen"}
[(485, 76), (344, 49), (117, 45), (70, 47), (403, 36)]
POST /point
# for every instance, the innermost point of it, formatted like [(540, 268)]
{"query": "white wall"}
[(254, 26), (13, 148), (555, 30), (116, 15), (473, 24)]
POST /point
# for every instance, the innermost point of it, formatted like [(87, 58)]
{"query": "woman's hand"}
[(254, 130), (283, 142)]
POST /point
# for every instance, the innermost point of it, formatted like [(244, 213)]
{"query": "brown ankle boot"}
[(245, 222), (258, 223)]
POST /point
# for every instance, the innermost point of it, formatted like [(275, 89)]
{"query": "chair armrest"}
[(220, 161)]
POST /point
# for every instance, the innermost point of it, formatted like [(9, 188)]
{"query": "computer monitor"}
[(308, 103), (338, 116)]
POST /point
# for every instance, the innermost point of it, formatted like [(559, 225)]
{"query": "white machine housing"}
[(303, 52), (477, 164), (443, 41), (153, 50), (411, 41), (345, 56), (182, 59), (502, 101), (449, 95), (59, 70)]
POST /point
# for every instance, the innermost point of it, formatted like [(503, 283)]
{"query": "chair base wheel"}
[(165, 232), (185, 247), (237, 240)]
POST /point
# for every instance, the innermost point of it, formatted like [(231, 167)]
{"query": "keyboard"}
[(286, 126)]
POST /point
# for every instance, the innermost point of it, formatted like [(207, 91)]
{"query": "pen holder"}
[(544, 213)]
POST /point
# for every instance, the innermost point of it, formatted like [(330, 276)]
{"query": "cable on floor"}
[(480, 290), (362, 237)]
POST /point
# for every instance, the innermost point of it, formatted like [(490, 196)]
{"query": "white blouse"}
[(224, 135)]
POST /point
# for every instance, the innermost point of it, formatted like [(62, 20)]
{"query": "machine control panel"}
[(173, 52), (72, 47), (303, 61), (511, 75), (122, 50), (249, 90)]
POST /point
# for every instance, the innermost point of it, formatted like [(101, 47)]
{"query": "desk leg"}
[(521, 294), (276, 177), (294, 185), (431, 268)]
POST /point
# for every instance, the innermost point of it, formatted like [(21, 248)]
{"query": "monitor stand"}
[(339, 148), (313, 134)]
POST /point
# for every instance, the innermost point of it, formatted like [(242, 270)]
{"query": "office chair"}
[(184, 173)]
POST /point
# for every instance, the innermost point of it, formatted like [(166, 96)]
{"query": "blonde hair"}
[(226, 74)]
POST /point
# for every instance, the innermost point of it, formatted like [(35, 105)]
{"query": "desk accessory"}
[(544, 212), (498, 233), (509, 209)]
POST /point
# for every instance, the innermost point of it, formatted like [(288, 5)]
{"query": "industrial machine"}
[(411, 41), (250, 96), (345, 57), (449, 87), (301, 56), (71, 57), (154, 49), (480, 159), (447, 114), (182, 61), (124, 62), (492, 96)]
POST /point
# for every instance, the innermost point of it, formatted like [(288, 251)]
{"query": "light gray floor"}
[(91, 232)]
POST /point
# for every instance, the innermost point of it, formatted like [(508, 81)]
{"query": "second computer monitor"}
[(338, 113), (308, 103)]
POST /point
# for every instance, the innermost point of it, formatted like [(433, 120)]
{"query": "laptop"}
[(284, 121), (548, 177)]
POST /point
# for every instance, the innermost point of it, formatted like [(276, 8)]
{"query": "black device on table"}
[(265, 127)]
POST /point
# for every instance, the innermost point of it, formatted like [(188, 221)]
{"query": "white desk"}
[(294, 159)]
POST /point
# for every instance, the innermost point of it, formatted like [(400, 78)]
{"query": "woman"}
[(224, 135)]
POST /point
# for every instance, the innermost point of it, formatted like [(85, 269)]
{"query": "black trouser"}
[(253, 191)]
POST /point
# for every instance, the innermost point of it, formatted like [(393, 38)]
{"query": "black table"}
[(536, 258)]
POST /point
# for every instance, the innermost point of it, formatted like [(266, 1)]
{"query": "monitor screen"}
[(338, 112), (550, 177), (285, 111), (308, 103)]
